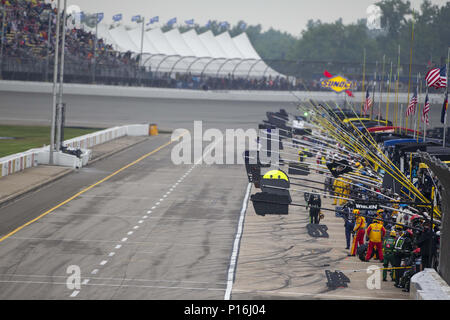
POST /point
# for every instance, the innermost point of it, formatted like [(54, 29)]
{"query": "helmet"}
[(398, 227), (393, 233), (356, 212), (357, 164), (415, 220)]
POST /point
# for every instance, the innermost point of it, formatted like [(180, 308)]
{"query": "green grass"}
[(29, 137)]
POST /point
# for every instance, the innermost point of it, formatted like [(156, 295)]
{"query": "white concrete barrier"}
[(18, 162), (187, 94), (92, 139), (428, 285)]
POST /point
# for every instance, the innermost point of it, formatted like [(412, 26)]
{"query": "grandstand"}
[(198, 60)]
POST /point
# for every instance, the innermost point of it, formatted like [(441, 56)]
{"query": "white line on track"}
[(74, 294), (94, 271), (116, 285), (118, 246), (237, 240), (103, 262)]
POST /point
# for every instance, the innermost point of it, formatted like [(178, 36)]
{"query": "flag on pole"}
[(100, 16), (224, 24), (243, 26), (327, 74), (117, 17), (154, 19), (208, 24), (412, 105), (437, 77), (444, 108), (368, 103), (190, 22), (136, 18), (172, 21), (426, 109)]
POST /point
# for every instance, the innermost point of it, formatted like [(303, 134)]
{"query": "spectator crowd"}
[(28, 48)]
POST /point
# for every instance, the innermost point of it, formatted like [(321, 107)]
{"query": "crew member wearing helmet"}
[(359, 230), (375, 234), (388, 248), (314, 205), (402, 249)]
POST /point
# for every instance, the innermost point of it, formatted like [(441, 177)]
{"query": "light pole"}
[(61, 78), (55, 79), (49, 37), (2, 38)]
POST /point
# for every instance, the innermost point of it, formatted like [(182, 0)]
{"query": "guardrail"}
[(18, 162), (31, 158), (92, 139)]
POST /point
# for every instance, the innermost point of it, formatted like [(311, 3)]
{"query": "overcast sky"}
[(285, 15)]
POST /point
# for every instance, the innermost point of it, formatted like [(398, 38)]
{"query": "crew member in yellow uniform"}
[(337, 186), (359, 230), (375, 233), (345, 191)]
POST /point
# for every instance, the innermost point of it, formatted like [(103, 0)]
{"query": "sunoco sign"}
[(337, 84)]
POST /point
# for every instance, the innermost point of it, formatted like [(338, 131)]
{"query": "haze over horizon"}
[(285, 15)]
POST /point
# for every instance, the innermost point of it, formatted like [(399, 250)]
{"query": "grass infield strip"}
[(15, 139)]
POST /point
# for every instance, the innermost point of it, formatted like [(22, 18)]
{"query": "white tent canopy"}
[(189, 52), (122, 39), (193, 41), (136, 36)]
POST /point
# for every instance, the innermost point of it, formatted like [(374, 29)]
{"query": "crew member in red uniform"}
[(359, 231), (375, 233)]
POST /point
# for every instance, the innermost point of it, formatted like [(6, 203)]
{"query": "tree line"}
[(343, 45)]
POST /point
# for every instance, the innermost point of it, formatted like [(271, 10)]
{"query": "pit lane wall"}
[(221, 95), (18, 162), (428, 285)]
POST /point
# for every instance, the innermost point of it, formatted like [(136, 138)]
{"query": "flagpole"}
[(445, 119), (410, 64), (417, 97), (373, 90), (424, 122), (418, 111), (396, 89), (389, 92), (364, 77), (401, 118), (380, 102)]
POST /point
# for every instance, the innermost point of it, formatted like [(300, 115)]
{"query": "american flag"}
[(437, 77), (412, 105), (368, 102), (426, 108)]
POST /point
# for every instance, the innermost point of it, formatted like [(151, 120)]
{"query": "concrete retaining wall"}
[(166, 93), (428, 285)]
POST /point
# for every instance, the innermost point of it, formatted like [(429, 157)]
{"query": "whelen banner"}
[(366, 206)]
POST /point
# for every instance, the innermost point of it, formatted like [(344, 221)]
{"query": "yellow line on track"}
[(87, 189)]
